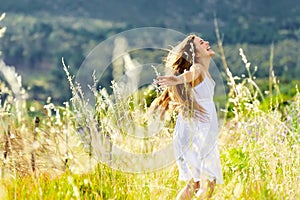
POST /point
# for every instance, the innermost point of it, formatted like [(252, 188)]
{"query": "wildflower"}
[(75, 191), (243, 56), (238, 190), (35, 145), (32, 109)]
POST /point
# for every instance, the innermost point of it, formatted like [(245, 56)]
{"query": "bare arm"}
[(186, 77)]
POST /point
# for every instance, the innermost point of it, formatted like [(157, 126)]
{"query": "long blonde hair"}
[(179, 97)]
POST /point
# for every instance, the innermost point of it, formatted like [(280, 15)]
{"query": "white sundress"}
[(196, 143)]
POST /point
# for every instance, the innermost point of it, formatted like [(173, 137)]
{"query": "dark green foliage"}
[(39, 33)]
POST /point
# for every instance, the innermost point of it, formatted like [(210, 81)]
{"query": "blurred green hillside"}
[(39, 33)]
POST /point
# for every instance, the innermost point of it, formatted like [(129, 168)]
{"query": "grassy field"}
[(48, 153)]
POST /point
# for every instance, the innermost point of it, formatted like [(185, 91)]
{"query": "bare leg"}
[(196, 186), (206, 191), (188, 191), (211, 187)]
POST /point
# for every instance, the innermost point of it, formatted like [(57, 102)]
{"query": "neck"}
[(205, 62)]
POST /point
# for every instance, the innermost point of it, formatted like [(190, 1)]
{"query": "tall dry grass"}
[(259, 145)]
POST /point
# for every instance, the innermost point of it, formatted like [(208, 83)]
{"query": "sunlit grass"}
[(259, 145)]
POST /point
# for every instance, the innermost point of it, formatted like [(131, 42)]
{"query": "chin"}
[(211, 53)]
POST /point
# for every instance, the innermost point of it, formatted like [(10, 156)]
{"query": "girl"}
[(189, 89)]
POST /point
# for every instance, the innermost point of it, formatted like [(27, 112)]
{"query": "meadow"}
[(48, 150)]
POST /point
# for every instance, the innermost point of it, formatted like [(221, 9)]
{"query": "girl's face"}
[(202, 48)]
